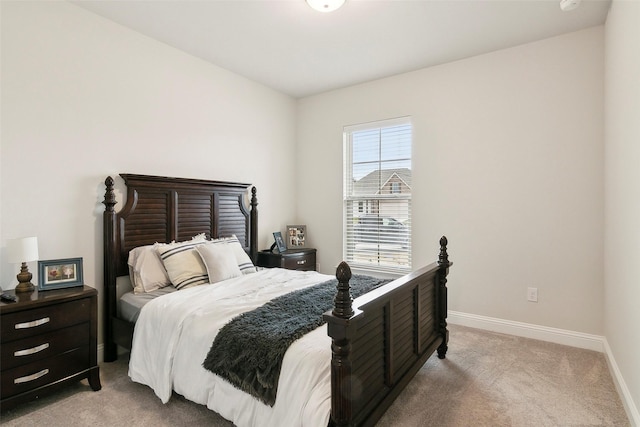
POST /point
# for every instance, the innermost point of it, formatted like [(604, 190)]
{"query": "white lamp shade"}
[(22, 250), (325, 5)]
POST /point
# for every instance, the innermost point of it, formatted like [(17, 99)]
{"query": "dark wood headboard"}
[(163, 209)]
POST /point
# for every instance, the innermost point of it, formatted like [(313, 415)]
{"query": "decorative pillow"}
[(220, 262), (243, 260), (183, 264), (146, 269)]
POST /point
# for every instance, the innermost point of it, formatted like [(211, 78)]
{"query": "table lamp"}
[(23, 251)]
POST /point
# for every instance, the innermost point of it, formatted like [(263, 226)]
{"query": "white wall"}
[(507, 163), (83, 98), (622, 189), (508, 157)]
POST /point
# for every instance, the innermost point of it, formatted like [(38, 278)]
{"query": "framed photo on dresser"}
[(59, 273)]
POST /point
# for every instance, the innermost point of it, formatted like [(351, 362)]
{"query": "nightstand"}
[(49, 339), (293, 259)]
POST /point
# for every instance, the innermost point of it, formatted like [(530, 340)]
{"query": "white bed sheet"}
[(174, 332)]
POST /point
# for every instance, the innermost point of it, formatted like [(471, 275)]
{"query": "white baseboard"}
[(629, 406), (528, 330), (558, 336)]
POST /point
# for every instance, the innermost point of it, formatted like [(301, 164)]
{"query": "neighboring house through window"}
[(377, 195)]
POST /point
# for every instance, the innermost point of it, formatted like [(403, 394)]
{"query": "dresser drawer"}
[(27, 350), (39, 320), (42, 372), (305, 261)]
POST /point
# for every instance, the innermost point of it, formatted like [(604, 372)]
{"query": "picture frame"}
[(280, 244), (59, 273), (296, 236)]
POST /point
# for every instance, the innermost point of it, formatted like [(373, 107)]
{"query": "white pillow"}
[(220, 262), (243, 260), (183, 264), (146, 269)]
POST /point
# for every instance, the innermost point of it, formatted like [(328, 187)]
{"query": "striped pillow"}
[(244, 262), (183, 264)]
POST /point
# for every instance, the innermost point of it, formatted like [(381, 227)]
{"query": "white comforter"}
[(174, 333)]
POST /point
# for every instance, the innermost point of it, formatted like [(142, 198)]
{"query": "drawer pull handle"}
[(28, 351), (33, 324), (304, 261), (31, 377)]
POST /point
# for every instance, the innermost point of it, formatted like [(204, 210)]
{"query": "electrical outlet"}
[(532, 294)]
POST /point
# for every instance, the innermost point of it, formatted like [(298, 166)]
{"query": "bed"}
[(375, 342)]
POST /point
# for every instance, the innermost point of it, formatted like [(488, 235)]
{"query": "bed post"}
[(441, 307), (338, 329), (109, 285), (253, 231)]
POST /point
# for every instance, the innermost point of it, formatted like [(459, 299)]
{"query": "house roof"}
[(377, 179)]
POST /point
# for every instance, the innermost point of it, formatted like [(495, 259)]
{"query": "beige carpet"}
[(487, 379)]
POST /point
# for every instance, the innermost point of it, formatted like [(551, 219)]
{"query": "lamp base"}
[(25, 287), (24, 279)]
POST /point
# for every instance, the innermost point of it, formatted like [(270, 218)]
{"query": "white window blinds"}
[(377, 195)]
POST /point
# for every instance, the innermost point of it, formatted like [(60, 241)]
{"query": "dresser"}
[(48, 340), (293, 259)]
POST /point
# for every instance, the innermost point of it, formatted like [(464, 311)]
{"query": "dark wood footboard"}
[(383, 338)]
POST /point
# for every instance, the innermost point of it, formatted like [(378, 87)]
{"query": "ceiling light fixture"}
[(567, 5), (325, 5)]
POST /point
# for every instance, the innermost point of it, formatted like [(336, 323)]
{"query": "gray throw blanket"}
[(248, 351)]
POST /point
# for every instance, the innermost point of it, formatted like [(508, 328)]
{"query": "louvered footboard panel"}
[(426, 309), (402, 335), (369, 360)]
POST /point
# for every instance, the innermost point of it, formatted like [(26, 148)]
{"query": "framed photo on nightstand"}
[(59, 273), (280, 244), (296, 236)]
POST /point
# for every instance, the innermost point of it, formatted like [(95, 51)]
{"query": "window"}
[(377, 195)]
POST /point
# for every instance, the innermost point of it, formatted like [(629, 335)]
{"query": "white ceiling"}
[(286, 45)]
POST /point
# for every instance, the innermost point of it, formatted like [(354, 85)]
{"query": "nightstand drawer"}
[(42, 372), (31, 349), (300, 262), (39, 320), (293, 259)]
